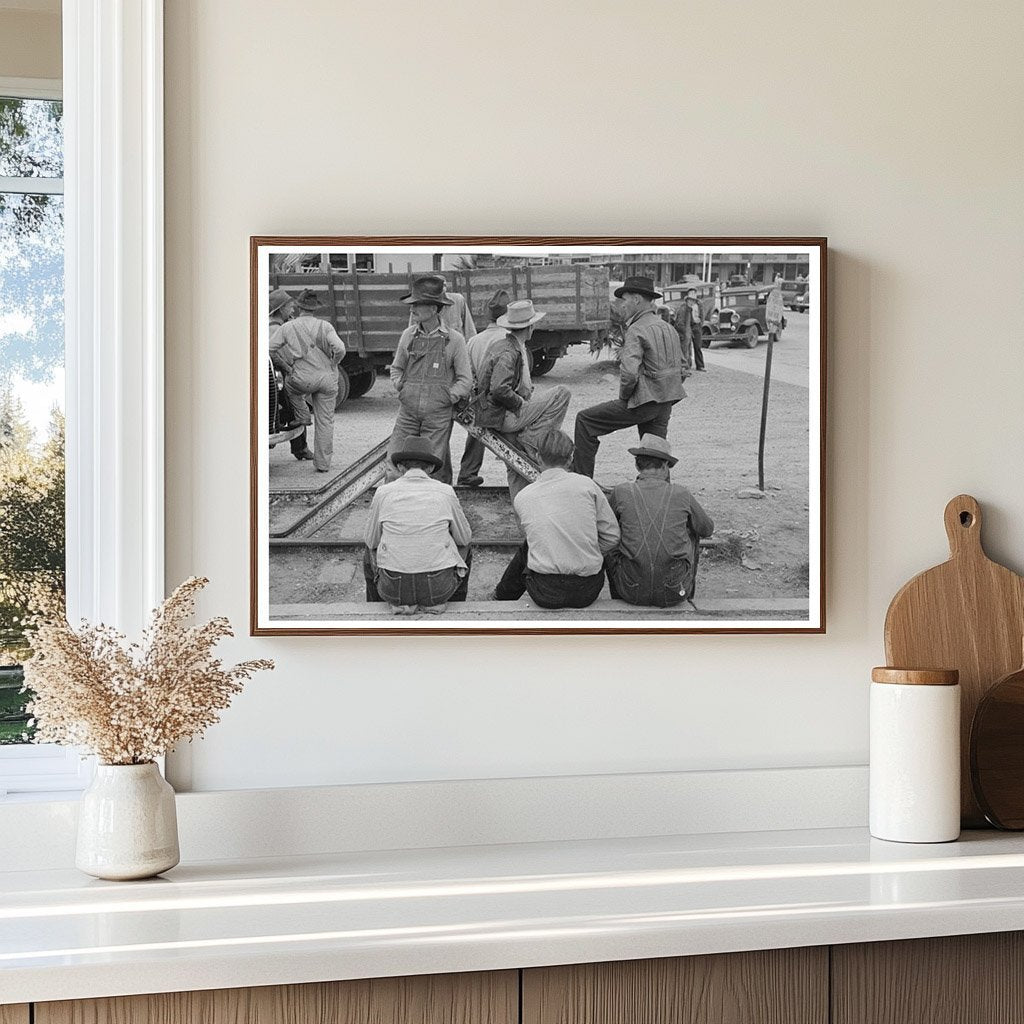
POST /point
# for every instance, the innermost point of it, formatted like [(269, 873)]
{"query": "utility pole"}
[(773, 318)]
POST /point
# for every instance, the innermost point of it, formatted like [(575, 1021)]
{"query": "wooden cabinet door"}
[(960, 979), (14, 1014), (778, 986), (481, 998)]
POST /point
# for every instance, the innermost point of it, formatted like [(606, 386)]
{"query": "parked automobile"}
[(739, 316), (674, 295), (802, 302), (796, 295)]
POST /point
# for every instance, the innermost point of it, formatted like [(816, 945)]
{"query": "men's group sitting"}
[(643, 537)]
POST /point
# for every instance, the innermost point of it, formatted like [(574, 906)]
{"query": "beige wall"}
[(29, 44), (895, 129)]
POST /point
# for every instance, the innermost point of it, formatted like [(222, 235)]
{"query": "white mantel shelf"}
[(224, 924)]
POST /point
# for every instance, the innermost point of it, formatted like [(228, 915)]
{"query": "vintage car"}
[(674, 295), (280, 430), (739, 316), (796, 295)]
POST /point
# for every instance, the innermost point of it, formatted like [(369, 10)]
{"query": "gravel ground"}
[(714, 432)]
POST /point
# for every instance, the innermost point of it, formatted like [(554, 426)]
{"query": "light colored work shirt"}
[(568, 523), (417, 525), (456, 373), (480, 344), (307, 339)]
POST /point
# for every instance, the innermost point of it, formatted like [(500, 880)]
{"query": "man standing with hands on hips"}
[(650, 377)]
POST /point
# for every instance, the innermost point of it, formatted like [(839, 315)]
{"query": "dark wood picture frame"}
[(367, 242)]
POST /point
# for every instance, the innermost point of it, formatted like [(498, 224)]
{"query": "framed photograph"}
[(537, 435)]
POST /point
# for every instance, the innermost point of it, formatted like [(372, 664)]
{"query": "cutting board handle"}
[(963, 526)]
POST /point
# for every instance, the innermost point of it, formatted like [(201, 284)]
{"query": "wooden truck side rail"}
[(367, 311)]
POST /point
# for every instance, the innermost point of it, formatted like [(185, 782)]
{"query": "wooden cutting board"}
[(967, 614)]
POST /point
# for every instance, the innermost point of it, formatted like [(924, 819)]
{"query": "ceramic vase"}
[(127, 825)]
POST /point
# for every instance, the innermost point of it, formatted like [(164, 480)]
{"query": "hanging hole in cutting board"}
[(966, 519)]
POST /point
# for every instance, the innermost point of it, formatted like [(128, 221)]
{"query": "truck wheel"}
[(751, 336), (705, 338), (543, 361), (360, 383), (344, 388)]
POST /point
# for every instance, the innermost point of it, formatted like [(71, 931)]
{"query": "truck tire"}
[(344, 388), (360, 383), (542, 362), (705, 337), (751, 336)]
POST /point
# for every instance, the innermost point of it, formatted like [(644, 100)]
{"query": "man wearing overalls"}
[(431, 373)]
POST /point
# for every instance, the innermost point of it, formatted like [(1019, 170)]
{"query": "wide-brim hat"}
[(497, 304), (519, 314), (416, 449), (427, 289), (656, 448), (278, 297), (639, 286), (310, 301)]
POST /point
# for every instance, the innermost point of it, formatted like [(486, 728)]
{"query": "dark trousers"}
[(697, 346), (419, 581), (472, 458), (607, 417), (548, 590)]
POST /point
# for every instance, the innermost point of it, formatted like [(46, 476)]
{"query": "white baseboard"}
[(240, 824)]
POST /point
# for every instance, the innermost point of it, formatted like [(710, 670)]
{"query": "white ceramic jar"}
[(127, 823), (915, 755)]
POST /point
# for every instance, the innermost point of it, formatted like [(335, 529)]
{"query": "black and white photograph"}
[(537, 435)]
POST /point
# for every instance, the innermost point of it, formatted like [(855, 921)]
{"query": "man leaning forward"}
[(506, 400), (650, 377)]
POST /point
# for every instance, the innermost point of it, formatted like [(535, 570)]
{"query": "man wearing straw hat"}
[(431, 373), (309, 350), (506, 401), (650, 377), (661, 524)]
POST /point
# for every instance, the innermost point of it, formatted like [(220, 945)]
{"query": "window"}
[(32, 530)]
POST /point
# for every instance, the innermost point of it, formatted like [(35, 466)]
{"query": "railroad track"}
[(370, 469)]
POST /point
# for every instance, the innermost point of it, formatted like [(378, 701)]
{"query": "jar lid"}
[(916, 676)]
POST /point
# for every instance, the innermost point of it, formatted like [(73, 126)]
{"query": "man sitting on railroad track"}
[(569, 528), (506, 401), (417, 538), (661, 524)]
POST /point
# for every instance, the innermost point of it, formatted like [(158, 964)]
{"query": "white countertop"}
[(224, 924)]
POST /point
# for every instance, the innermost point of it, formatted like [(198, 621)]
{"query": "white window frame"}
[(114, 346)]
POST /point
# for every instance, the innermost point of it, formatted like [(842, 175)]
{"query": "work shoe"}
[(435, 609), (304, 456), (471, 481)]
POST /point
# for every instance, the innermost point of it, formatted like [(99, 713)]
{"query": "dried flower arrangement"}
[(130, 703)]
